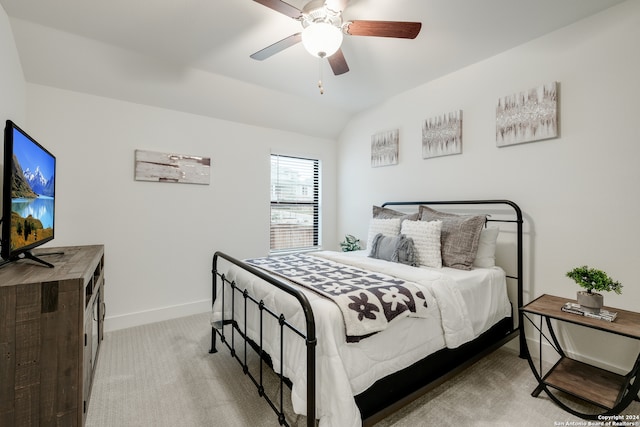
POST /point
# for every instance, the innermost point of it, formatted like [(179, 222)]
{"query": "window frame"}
[(278, 199)]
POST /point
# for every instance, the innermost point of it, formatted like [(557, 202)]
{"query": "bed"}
[(358, 335)]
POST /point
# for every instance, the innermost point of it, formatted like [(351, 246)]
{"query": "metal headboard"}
[(519, 224)]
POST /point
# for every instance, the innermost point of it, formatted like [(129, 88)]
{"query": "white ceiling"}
[(193, 55)]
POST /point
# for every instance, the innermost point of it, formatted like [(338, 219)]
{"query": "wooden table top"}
[(69, 262), (626, 323)]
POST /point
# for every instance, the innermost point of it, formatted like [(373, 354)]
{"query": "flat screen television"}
[(28, 195)]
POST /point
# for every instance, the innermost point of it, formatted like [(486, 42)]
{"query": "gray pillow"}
[(386, 213), (394, 248), (459, 237)]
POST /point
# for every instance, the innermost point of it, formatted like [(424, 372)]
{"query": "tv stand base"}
[(32, 257)]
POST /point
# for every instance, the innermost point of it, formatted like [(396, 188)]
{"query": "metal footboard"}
[(250, 303)]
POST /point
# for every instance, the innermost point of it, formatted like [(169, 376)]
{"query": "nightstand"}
[(610, 391)]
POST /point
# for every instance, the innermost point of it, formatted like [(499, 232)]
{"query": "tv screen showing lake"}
[(40, 208)]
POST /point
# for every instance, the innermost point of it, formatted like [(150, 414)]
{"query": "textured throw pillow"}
[(394, 248), (386, 226), (426, 240), (486, 255), (460, 236), (379, 212)]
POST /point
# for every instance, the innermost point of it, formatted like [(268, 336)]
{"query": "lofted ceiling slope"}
[(193, 55)]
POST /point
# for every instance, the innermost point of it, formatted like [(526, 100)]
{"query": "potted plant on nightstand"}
[(351, 243), (592, 280)]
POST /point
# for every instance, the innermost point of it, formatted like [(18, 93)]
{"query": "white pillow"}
[(426, 240), (386, 226), (486, 255)]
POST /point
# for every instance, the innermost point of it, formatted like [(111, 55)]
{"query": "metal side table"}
[(610, 391)]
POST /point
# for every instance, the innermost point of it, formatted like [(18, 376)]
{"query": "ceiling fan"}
[(323, 30)]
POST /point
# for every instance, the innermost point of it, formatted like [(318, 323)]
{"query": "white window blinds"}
[(294, 203)]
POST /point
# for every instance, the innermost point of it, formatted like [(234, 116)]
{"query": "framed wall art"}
[(384, 148), (168, 167), (527, 116), (442, 135)]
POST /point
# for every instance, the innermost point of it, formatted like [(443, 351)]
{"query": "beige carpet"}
[(162, 375)]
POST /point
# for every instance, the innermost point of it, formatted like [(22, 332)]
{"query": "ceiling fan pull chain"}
[(320, 86)]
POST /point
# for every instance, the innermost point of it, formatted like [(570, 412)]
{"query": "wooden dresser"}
[(50, 332)]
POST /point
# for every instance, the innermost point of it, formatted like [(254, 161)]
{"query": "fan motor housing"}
[(316, 11)]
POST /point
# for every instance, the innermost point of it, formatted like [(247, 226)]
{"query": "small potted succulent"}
[(351, 243), (592, 280)]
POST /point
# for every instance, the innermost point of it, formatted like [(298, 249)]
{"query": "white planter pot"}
[(590, 302)]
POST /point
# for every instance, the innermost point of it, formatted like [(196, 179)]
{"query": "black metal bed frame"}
[(388, 394)]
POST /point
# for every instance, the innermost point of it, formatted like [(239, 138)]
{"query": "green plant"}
[(350, 243), (593, 279)]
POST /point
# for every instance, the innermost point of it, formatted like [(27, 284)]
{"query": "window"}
[(295, 216)]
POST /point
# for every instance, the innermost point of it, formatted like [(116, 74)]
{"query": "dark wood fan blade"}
[(336, 5), (277, 47), (282, 7), (402, 30), (338, 63)]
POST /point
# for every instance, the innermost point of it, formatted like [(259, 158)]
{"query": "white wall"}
[(160, 237), (12, 84), (578, 192)]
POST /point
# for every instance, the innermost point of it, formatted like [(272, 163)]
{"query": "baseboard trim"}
[(123, 321)]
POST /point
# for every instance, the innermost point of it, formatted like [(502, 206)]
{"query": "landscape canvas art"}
[(527, 116), (442, 135), (384, 148), (167, 167)]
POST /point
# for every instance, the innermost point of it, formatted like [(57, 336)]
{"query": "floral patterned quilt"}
[(368, 300)]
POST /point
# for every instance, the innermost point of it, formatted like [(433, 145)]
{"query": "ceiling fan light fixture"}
[(322, 39)]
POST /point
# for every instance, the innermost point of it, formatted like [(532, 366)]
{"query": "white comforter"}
[(343, 369)]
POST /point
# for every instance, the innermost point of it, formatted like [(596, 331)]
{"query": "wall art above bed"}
[(527, 116), (168, 167), (442, 135), (384, 148)]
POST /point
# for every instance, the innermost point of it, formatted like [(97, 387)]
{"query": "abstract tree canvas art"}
[(442, 135), (527, 116), (384, 148)]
